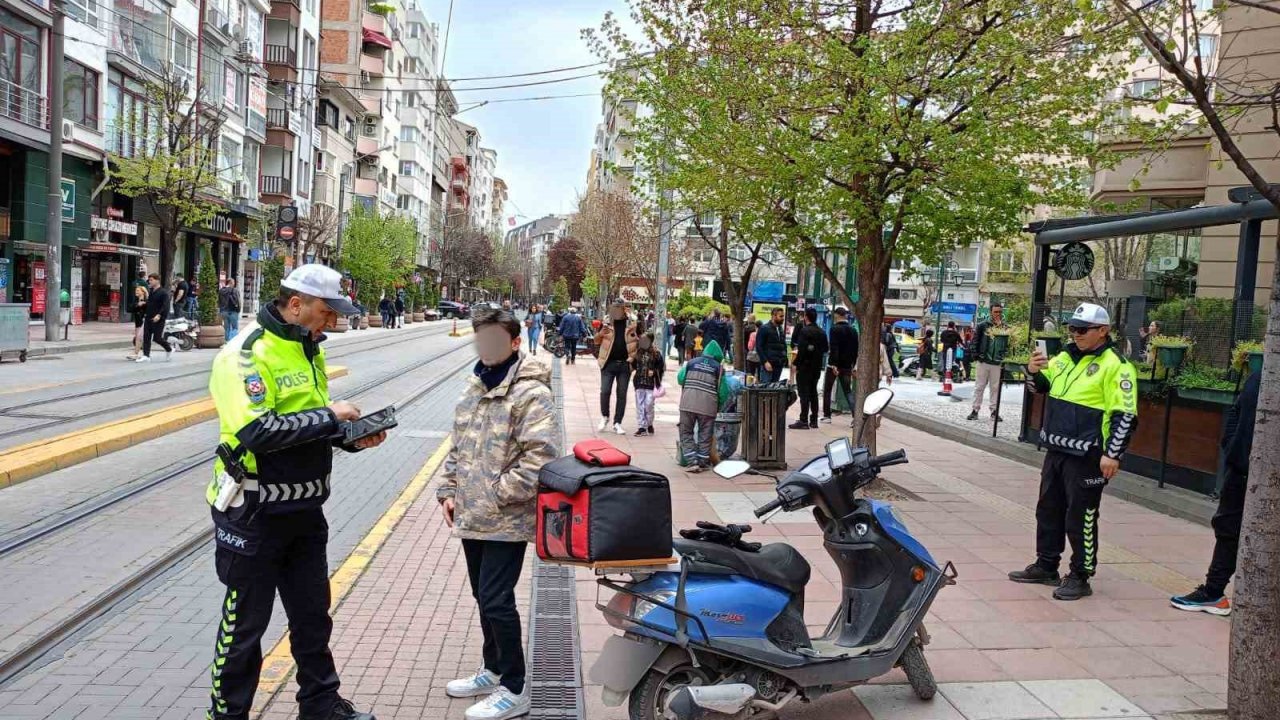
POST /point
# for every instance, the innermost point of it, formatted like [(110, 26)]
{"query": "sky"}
[(543, 146)]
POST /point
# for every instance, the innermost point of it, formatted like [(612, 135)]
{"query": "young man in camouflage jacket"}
[(504, 431)]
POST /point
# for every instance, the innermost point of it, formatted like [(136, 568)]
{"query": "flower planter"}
[(374, 321), (364, 323), (211, 336), (1220, 397), (1150, 386), (343, 324), (1255, 362), (419, 317), (1171, 356)]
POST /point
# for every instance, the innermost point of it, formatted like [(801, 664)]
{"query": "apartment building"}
[(613, 159), (533, 241), (482, 187), (497, 208)]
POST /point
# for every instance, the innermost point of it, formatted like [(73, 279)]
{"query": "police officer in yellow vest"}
[(270, 480), (1091, 414)]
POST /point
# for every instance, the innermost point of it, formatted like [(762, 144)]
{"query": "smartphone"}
[(368, 425), (1043, 347)]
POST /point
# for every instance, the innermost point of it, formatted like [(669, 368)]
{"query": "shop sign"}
[(115, 226), (225, 225), (37, 287), (4, 273), (68, 200)]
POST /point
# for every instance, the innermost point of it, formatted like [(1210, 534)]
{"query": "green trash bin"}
[(841, 402)]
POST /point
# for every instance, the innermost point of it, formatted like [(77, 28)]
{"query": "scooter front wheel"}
[(649, 696), (919, 674)]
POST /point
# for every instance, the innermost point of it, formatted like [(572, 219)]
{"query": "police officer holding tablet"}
[(270, 480)]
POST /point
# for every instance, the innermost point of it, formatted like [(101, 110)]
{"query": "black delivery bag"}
[(588, 513)]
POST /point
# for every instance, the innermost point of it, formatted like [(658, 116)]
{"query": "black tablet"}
[(369, 425)]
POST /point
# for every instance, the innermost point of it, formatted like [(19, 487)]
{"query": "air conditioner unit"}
[(1168, 263), (370, 160), (246, 46), (68, 131), (239, 189)]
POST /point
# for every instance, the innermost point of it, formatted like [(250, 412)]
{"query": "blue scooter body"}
[(727, 606)]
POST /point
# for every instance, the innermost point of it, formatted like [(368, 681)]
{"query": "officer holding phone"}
[(277, 428)]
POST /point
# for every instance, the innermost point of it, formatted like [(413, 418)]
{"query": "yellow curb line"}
[(277, 666), (29, 460)]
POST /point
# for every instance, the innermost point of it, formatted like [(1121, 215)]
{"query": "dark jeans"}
[(289, 557), (771, 376), (1070, 492), (829, 381), (620, 371), (807, 385), (570, 351), (493, 568), (154, 332), (1226, 531)]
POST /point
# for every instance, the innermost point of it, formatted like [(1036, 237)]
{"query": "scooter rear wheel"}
[(919, 674), (649, 696)]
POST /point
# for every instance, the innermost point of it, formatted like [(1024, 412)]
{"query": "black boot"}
[(1073, 587), (1035, 573), (341, 710)]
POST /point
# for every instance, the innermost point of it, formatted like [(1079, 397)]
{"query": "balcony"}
[(217, 25), (279, 55), (372, 104), (374, 65), (277, 118), (25, 106), (367, 187), (275, 185), (367, 146), (374, 22)]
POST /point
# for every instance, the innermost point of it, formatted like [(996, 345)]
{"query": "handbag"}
[(659, 391), (753, 357)]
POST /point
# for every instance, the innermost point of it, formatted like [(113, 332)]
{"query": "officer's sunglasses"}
[(1081, 330)]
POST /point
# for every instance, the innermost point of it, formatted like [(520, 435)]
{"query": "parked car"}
[(450, 309)]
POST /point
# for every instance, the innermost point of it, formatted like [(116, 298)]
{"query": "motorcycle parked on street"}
[(722, 636), (181, 332)]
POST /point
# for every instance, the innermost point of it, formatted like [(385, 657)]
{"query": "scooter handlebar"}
[(897, 457), (768, 507)]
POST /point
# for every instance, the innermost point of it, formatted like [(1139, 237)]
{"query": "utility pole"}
[(664, 255), (53, 220), (342, 216)]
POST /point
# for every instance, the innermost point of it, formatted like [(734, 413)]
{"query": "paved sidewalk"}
[(1000, 650), (80, 338)]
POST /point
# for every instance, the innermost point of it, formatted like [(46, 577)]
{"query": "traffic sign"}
[(286, 232)]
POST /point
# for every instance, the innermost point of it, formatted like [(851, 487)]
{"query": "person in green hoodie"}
[(704, 389)]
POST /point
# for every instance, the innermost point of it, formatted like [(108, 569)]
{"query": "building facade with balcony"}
[(533, 241), (497, 208)]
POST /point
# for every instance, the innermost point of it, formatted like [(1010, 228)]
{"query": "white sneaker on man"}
[(604, 423), (500, 705), (143, 358), (482, 683), (168, 354), (617, 427)]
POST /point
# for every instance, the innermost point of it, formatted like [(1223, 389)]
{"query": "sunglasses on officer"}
[(1082, 330)]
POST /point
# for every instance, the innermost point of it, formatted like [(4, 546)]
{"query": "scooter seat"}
[(776, 563)]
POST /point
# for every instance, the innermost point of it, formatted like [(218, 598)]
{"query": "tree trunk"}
[(1253, 689), (870, 311)]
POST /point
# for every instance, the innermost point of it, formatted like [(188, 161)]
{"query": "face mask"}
[(645, 343)]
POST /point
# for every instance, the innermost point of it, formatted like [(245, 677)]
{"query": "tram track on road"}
[(15, 662), (53, 420)]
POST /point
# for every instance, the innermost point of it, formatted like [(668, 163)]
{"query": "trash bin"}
[(764, 426), (841, 402), (725, 436), (15, 329)]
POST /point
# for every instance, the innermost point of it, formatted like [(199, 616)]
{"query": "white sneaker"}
[(604, 423), (482, 683), (500, 705), (143, 358), (617, 427), (168, 354)]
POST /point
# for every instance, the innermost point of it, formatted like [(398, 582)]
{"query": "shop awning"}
[(377, 38)]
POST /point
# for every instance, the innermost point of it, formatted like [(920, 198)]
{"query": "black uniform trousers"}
[(287, 555), (1226, 531), (807, 387), (493, 567), (154, 332), (1070, 492), (828, 382)]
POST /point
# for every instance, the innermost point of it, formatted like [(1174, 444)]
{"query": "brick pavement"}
[(150, 658), (977, 510)]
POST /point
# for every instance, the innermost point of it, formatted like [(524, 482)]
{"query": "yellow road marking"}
[(277, 666), (36, 458)]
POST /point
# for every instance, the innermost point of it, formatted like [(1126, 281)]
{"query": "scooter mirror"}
[(732, 468), (877, 401)]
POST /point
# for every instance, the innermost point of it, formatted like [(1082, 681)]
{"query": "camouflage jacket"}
[(501, 439)]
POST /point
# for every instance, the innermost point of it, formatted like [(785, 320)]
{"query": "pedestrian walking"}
[(771, 346), (229, 307), (533, 326), (966, 352), (157, 312), (649, 365), (271, 479), (677, 338), (841, 359), (384, 310), (705, 387), (181, 295), (505, 431), (1236, 446), (950, 341), (571, 331), (749, 331), (139, 312), (618, 343), (1090, 415), (990, 363), (891, 347), (691, 333), (398, 319), (668, 335), (926, 350), (811, 348), (717, 329)]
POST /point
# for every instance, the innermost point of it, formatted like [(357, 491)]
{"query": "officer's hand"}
[(1109, 466), (371, 441), (1039, 361), (446, 506), (344, 410)]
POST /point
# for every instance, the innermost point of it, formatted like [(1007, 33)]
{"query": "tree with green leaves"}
[(560, 295), (272, 274), (377, 250), (869, 129), (171, 162), (207, 276)]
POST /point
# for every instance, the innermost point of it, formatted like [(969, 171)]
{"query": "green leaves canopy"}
[(377, 250)]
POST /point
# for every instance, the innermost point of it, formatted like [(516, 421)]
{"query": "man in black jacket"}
[(840, 362), (1237, 443), (153, 325), (772, 347), (716, 328), (811, 347)]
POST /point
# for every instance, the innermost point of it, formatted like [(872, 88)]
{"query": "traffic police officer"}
[(1091, 413), (270, 480)]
